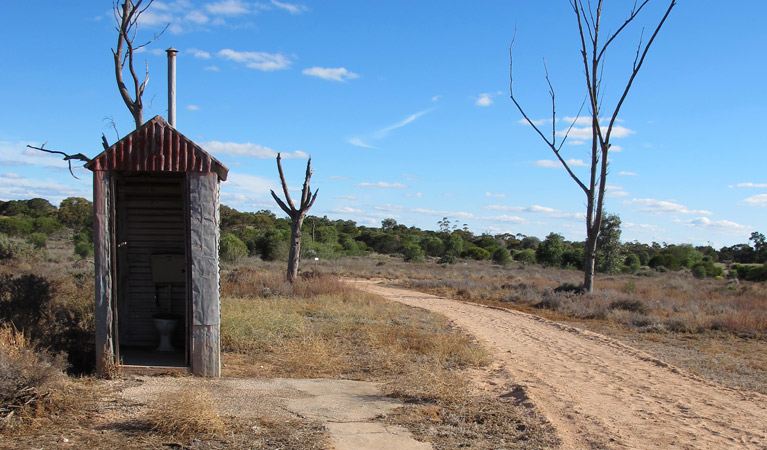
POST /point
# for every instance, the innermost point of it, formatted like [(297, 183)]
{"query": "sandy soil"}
[(598, 392)]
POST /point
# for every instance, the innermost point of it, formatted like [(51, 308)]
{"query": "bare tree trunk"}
[(296, 215), (593, 51), (295, 249)]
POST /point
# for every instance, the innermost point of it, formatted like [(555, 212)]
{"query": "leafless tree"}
[(296, 215), (127, 17), (593, 51)]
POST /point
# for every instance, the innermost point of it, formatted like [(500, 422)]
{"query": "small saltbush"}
[(231, 248), (38, 240)]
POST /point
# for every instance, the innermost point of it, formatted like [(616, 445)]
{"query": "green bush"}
[(412, 252), (698, 271), (476, 253), (633, 263), (526, 256), (16, 226), (84, 249), (47, 225), (38, 240), (501, 256), (231, 248), (447, 259)]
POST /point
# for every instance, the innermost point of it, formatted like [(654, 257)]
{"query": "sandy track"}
[(598, 392)]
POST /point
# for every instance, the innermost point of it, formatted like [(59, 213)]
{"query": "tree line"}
[(262, 234)]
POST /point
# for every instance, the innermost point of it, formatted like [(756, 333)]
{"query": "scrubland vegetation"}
[(696, 307)]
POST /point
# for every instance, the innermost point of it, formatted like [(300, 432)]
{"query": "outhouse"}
[(156, 239)]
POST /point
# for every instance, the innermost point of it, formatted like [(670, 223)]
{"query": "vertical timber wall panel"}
[(203, 189), (103, 272)]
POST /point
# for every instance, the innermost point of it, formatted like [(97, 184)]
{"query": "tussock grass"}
[(185, 415)]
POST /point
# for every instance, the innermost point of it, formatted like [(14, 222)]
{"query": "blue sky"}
[(404, 108)]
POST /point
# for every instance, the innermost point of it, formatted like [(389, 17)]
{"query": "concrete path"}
[(347, 408)]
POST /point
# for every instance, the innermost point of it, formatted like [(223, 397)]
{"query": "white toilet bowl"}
[(165, 325)]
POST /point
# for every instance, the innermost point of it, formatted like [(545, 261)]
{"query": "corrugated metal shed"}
[(155, 192), (157, 147)]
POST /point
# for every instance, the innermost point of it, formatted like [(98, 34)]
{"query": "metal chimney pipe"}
[(172, 86)]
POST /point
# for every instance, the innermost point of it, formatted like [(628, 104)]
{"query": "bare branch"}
[(285, 185), (67, 157)]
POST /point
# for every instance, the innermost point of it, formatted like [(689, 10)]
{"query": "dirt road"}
[(600, 393)]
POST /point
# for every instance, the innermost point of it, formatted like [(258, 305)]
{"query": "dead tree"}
[(67, 157), (593, 51), (296, 215), (127, 16)]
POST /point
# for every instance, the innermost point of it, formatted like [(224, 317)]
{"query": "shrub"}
[(629, 305), (412, 252), (477, 253), (24, 372), (15, 226), (47, 225), (632, 262), (699, 271), (526, 256), (231, 248), (501, 256), (38, 240), (447, 259), (84, 249)]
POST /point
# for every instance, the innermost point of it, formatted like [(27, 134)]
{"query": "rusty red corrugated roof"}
[(157, 147)]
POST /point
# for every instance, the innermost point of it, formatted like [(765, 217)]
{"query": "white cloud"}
[(753, 185), (537, 209), (572, 162), (432, 212), (584, 133), (346, 210), (212, 68), (505, 218), (436, 98), (289, 7), (359, 142), (338, 177), (199, 54), (537, 122), (241, 182), (197, 17), (348, 197), (490, 194), (247, 150), (14, 186), (719, 225), (228, 8), (639, 227), (330, 74), (388, 207), (257, 60), (757, 200), (653, 206), (628, 174), (383, 185), (383, 132), (416, 195), (615, 191), (484, 100), (193, 107)]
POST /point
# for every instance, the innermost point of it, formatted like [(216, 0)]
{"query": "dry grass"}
[(185, 415)]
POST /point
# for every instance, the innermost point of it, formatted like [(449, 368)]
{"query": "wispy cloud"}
[(433, 212), (725, 226), (330, 74), (382, 185), (192, 107), (290, 7), (490, 194), (199, 54), (753, 185), (614, 191), (357, 142), (228, 8), (628, 174), (653, 206), (756, 200), (572, 162), (537, 209), (584, 133), (247, 150), (257, 60), (415, 195), (338, 177), (383, 132), (346, 210)]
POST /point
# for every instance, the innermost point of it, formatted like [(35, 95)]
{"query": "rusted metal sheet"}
[(157, 147)]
